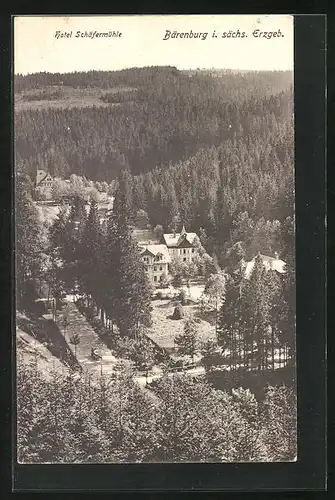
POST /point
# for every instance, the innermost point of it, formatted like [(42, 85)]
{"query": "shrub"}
[(178, 312), (182, 297)]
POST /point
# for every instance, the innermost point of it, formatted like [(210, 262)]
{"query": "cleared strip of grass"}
[(65, 97), (164, 329)]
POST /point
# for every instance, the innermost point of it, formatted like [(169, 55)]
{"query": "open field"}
[(164, 329), (193, 292), (67, 97)]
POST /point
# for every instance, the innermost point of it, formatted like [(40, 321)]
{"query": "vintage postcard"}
[(155, 239)]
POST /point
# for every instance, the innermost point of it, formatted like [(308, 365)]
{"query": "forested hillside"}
[(149, 117), (211, 150)]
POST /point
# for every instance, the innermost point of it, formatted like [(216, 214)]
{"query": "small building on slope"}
[(270, 263), (43, 185)]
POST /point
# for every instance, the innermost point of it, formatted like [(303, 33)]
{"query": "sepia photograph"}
[(154, 239)]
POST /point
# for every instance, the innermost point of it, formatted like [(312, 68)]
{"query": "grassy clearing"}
[(68, 97), (164, 329)]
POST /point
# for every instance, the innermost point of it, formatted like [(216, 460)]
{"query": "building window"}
[(155, 278), (192, 250), (161, 268), (184, 251), (184, 259), (155, 268)]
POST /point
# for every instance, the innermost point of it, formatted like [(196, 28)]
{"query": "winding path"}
[(78, 324), (88, 339)]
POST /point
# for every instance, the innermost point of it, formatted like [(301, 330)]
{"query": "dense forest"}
[(273, 82), (165, 116), (66, 419), (212, 151)]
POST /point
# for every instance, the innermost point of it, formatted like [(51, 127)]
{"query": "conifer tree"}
[(230, 329), (274, 287), (90, 263), (75, 223), (187, 341), (210, 354), (222, 217), (256, 302), (235, 255), (289, 289), (158, 232), (171, 209), (125, 183), (204, 239), (142, 219), (185, 420), (28, 247), (57, 230), (279, 422), (127, 286), (215, 290), (55, 275), (249, 444)]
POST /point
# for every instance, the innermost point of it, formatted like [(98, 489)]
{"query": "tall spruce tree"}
[(286, 315), (28, 245), (128, 292), (230, 328), (256, 304), (55, 276), (187, 341), (288, 302), (75, 223), (234, 256), (215, 291), (57, 229), (90, 261), (125, 185)]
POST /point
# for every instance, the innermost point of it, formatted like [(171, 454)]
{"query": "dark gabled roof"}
[(178, 239), (40, 176), (147, 252), (185, 243)]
